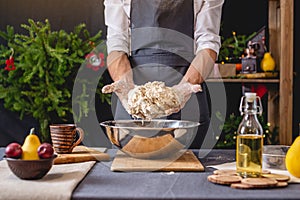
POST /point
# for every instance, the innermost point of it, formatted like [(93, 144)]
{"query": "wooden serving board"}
[(82, 154), (186, 162)]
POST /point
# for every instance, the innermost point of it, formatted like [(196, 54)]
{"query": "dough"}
[(152, 100)]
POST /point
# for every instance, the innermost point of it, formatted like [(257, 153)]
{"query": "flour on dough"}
[(152, 100)]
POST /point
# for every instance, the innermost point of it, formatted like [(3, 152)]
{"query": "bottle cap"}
[(250, 96)]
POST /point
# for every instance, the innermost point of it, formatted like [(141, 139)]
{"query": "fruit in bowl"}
[(30, 146), (45, 150), (13, 150), (32, 160)]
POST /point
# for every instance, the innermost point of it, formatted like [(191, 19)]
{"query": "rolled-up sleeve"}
[(117, 22), (207, 25)]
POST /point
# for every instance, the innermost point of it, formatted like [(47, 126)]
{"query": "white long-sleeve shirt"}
[(207, 17)]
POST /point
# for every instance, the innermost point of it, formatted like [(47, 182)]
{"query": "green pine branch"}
[(46, 64)]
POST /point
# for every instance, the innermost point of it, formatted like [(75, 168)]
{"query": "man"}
[(175, 41)]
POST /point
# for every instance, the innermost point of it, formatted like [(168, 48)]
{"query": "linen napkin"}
[(59, 183), (232, 165)]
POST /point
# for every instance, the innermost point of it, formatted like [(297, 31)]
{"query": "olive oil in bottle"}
[(249, 142)]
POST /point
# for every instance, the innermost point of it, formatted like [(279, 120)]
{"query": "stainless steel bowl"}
[(274, 156), (150, 139)]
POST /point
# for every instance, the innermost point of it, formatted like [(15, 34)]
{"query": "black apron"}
[(162, 48)]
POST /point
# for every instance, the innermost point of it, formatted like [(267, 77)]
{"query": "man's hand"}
[(198, 71), (121, 88), (120, 71), (184, 91)]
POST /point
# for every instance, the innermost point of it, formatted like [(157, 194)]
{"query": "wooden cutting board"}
[(186, 162), (82, 154)]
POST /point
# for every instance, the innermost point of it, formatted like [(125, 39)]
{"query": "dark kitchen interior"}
[(243, 17)]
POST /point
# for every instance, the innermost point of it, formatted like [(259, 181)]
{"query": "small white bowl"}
[(274, 156)]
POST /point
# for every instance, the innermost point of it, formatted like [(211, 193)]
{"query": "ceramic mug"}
[(64, 137)]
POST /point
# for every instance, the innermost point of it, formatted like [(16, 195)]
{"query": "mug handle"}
[(81, 136)]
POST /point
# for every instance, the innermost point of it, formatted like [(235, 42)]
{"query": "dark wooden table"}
[(102, 183)]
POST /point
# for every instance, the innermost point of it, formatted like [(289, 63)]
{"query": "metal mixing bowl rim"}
[(109, 123)]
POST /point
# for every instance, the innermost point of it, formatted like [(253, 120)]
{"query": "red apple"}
[(45, 150), (13, 150)]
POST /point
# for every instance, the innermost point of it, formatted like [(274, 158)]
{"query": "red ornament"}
[(10, 64), (95, 62)]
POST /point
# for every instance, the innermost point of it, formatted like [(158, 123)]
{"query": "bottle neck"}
[(251, 108), (250, 116), (250, 123), (250, 113)]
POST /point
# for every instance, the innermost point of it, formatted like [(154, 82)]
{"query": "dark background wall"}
[(244, 17), (61, 14)]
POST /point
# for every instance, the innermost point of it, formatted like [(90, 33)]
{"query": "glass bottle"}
[(249, 142)]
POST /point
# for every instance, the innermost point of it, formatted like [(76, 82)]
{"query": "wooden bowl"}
[(30, 169)]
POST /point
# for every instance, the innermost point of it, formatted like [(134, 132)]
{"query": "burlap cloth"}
[(59, 183)]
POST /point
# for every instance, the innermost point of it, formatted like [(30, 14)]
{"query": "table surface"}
[(102, 183)]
